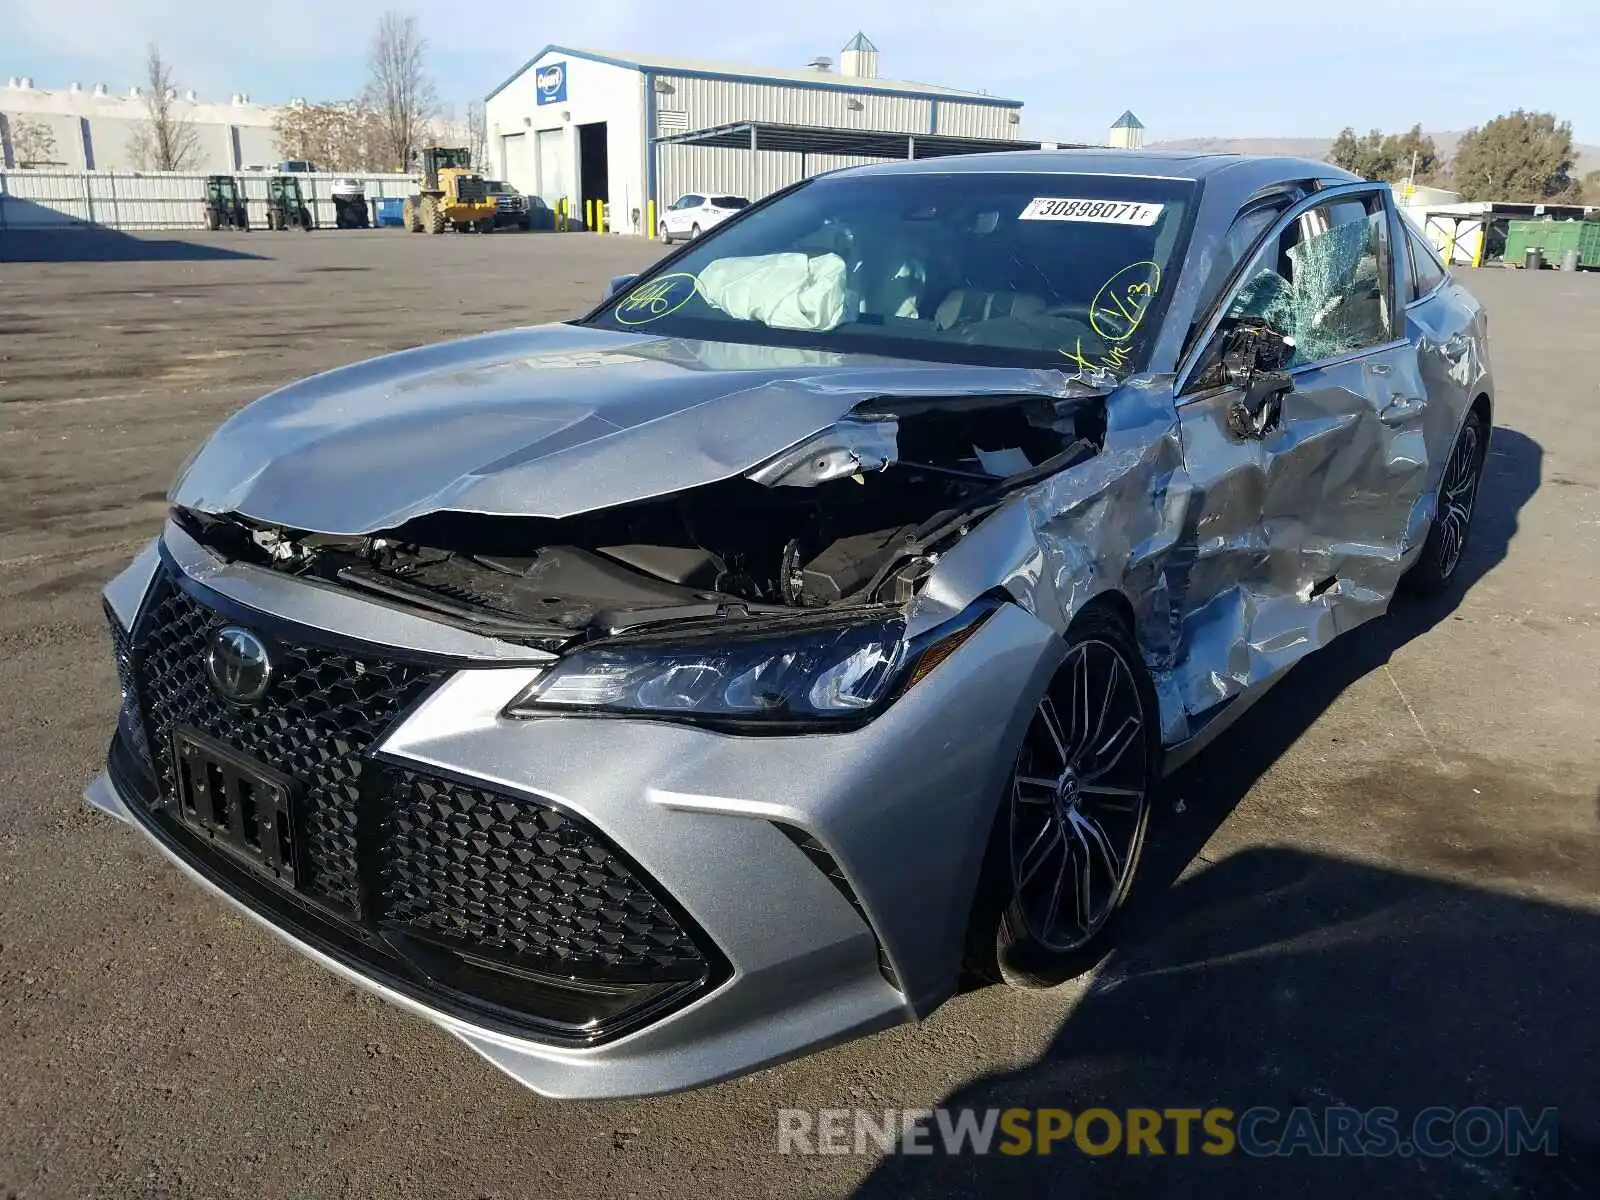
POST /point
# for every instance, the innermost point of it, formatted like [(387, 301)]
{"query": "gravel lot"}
[(1381, 888)]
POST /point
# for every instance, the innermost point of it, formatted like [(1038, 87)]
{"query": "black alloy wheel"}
[(1071, 829), (1457, 500)]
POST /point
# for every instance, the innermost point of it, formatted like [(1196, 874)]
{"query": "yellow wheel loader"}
[(453, 195)]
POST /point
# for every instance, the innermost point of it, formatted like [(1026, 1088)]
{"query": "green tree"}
[(1399, 151), (1377, 155), (1363, 156), (1521, 157)]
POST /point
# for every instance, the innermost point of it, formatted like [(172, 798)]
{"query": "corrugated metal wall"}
[(976, 120), (707, 103), (703, 169), (712, 102), (114, 200)]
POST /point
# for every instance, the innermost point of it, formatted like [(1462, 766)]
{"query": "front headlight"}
[(811, 676)]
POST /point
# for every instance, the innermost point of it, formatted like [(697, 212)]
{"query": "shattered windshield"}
[(998, 269)]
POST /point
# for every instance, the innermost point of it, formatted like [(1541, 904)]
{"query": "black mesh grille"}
[(496, 902), (518, 877), (132, 721), (324, 709)]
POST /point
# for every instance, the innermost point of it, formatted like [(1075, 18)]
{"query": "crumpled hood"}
[(543, 422)]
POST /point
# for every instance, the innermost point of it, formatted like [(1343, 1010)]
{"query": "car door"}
[(700, 214), (1299, 519), (1445, 323), (678, 218)]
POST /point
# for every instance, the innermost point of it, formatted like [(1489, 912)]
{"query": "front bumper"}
[(831, 874)]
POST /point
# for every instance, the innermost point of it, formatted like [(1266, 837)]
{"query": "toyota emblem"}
[(239, 665)]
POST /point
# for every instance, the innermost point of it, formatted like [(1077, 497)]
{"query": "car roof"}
[(1159, 164)]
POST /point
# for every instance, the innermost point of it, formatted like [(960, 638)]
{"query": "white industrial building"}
[(580, 125), (92, 129)]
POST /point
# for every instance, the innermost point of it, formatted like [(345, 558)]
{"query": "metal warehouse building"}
[(581, 125)]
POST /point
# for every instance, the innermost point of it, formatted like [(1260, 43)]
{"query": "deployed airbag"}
[(784, 291)]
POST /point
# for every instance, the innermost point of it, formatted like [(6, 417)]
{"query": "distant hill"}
[(1588, 156)]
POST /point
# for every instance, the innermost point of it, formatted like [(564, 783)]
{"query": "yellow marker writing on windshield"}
[(1114, 360), (1120, 304), (658, 298)]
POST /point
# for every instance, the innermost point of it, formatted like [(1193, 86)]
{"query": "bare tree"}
[(33, 144), (478, 135), (337, 135), (399, 88), (167, 140)]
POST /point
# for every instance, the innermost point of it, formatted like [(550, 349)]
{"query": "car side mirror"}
[(618, 283), (1254, 358)]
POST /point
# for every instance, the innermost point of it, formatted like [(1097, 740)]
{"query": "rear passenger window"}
[(1427, 272), (1325, 280)]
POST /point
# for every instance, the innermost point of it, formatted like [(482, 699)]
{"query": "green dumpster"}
[(1554, 238)]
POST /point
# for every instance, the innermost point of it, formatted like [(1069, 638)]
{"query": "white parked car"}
[(692, 214)]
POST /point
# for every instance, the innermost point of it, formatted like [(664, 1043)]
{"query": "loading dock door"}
[(517, 165), (551, 149)]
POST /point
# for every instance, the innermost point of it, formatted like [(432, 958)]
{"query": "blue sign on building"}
[(551, 83)]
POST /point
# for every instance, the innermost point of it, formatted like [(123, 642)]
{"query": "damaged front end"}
[(797, 574)]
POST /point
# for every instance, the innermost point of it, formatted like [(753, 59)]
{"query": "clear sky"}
[(1188, 68)]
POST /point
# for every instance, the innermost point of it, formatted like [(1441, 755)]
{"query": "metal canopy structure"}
[(758, 136)]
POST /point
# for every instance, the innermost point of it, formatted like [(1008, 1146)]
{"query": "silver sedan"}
[(657, 696)]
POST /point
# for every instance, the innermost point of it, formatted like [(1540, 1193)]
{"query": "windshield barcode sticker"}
[(1104, 212)]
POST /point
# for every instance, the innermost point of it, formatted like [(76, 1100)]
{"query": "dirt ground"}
[(1381, 888)]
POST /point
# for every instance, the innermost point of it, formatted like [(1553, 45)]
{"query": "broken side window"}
[(1324, 281)]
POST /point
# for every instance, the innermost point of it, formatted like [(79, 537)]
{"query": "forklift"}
[(286, 208), (225, 207)]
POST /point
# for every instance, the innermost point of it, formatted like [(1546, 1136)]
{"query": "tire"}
[(486, 225), (694, 233), (410, 215), (306, 224), (666, 238), (1457, 501), (432, 215), (213, 221), (1073, 819)]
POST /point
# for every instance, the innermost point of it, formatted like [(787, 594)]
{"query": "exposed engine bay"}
[(858, 514)]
